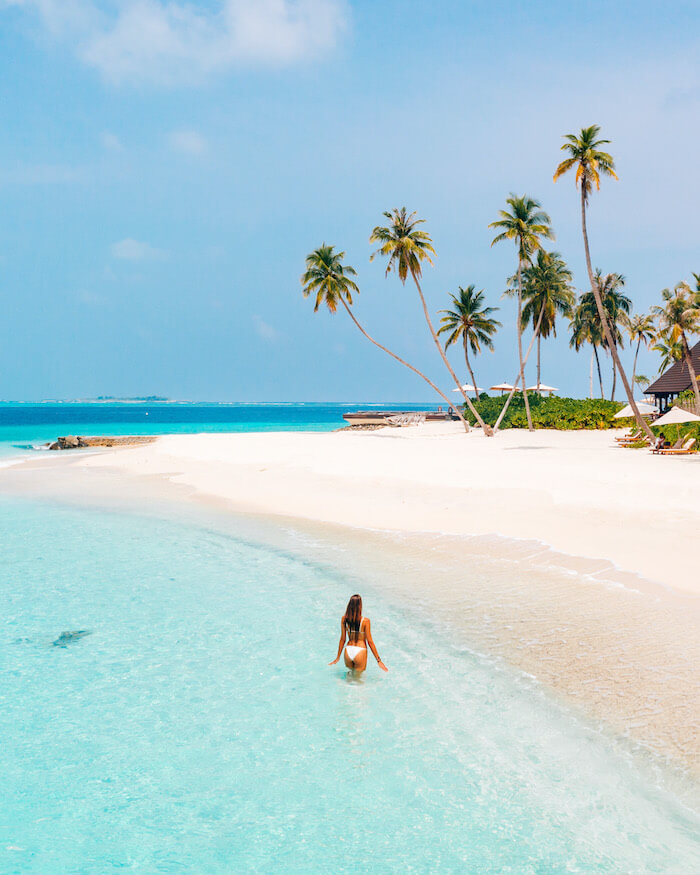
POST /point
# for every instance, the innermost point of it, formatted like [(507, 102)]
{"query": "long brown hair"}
[(353, 614)]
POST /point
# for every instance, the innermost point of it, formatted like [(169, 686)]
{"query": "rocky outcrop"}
[(71, 442)]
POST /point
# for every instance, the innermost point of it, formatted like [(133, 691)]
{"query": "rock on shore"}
[(74, 442)]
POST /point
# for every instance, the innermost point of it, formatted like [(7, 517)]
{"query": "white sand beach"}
[(577, 492), (569, 557)]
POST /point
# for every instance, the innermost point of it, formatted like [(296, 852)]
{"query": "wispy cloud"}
[(175, 42), (134, 250), (111, 142), (265, 330), (189, 142)]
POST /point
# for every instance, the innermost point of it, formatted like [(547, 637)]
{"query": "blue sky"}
[(165, 168)]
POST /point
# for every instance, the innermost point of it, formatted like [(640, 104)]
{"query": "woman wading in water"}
[(356, 629)]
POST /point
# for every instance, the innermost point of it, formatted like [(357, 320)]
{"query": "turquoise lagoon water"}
[(198, 728), (24, 425)]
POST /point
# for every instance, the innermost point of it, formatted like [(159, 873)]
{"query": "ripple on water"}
[(199, 728)]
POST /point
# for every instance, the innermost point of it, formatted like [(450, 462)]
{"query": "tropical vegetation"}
[(330, 282), (600, 318), (679, 317), (525, 224), (471, 323), (406, 247), (558, 413)]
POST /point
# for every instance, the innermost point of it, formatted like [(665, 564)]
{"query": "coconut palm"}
[(679, 317), (585, 328), (584, 154), (547, 292), (407, 247), (526, 224), (671, 351), (642, 329), (472, 323), (330, 281), (616, 306)]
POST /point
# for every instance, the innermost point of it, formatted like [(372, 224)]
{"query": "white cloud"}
[(111, 142), (265, 330), (189, 142), (175, 42), (134, 250)]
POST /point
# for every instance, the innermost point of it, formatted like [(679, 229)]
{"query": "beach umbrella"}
[(502, 387), (467, 387), (542, 388), (675, 416), (644, 408)]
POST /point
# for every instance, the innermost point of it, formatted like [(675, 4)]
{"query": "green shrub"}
[(559, 413)]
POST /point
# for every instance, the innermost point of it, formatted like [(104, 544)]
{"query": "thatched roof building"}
[(674, 380)]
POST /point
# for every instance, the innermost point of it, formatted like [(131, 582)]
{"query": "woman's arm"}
[(341, 642), (370, 641)]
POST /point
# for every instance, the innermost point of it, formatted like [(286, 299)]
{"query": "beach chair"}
[(678, 444), (633, 435), (685, 450)]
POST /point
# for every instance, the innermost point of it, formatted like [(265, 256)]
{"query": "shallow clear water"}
[(198, 727)]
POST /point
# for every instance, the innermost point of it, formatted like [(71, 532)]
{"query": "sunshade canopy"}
[(644, 408), (542, 388), (502, 387), (675, 416), (467, 387)]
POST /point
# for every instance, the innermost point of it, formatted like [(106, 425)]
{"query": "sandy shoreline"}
[(570, 558)]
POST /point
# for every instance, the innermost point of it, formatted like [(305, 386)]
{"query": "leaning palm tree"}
[(406, 248), (472, 323), (642, 329), (330, 281), (679, 317), (585, 154), (585, 328), (526, 224), (547, 292)]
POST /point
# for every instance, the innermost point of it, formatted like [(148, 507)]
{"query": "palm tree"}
[(585, 328), (679, 317), (590, 161), (331, 282), (640, 328), (671, 351), (525, 224), (616, 306), (407, 247), (472, 323), (546, 292)]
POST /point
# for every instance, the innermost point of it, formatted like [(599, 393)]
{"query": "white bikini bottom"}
[(353, 652)]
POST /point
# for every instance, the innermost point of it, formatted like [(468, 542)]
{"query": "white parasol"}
[(644, 408), (675, 416)]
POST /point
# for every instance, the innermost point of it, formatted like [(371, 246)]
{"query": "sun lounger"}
[(631, 436), (678, 444), (685, 450)]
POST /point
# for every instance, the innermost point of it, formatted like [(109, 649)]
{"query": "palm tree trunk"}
[(520, 344), (475, 413), (691, 371), (634, 366), (471, 372), (614, 381), (590, 380), (600, 373), (539, 365), (519, 376), (641, 422), (432, 385)]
